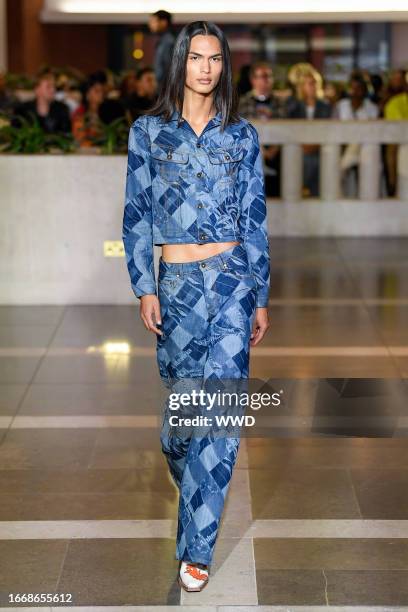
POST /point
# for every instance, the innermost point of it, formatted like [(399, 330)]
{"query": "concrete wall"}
[(57, 210)]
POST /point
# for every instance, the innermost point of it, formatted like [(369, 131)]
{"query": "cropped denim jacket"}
[(183, 188)]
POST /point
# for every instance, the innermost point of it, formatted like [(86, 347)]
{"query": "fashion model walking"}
[(195, 186)]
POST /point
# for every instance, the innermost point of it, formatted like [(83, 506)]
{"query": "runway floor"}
[(313, 521)]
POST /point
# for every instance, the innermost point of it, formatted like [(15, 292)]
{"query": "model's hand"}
[(260, 325), (150, 312)]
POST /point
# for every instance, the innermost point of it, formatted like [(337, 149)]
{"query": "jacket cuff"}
[(148, 290), (262, 298)]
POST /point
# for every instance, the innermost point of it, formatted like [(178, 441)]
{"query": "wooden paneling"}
[(32, 43)]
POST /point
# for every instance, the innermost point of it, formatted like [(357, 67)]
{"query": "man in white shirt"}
[(356, 107)]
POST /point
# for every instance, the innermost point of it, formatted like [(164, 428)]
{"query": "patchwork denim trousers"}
[(207, 309)]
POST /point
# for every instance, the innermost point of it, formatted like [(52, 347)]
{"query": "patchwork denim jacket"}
[(184, 188)]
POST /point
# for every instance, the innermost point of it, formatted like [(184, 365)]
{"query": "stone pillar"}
[(370, 171), (292, 172), (330, 172), (402, 172)]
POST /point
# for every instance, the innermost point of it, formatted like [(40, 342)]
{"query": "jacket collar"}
[(216, 119)]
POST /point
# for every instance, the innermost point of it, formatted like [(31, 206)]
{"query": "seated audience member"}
[(261, 103), (52, 115), (128, 86), (377, 90), (396, 108), (396, 85), (309, 106), (86, 122), (356, 106), (67, 92), (111, 107), (144, 95), (332, 93)]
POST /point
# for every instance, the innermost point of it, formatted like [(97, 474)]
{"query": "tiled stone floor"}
[(311, 522)]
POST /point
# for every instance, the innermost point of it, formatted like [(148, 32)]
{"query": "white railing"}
[(330, 135), (330, 213)]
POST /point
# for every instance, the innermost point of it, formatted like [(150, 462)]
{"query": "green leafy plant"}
[(30, 137), (113, 137)]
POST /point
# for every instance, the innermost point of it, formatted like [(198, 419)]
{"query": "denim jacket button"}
[(203, 265), (198, 144), (227, 157), (199, 205), (199, 174)]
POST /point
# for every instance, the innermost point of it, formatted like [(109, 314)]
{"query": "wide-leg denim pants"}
[(207, 309)]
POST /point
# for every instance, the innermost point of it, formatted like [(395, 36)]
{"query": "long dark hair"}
[(171, 95)]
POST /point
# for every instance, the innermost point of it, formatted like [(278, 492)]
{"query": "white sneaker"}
[(192, 576)]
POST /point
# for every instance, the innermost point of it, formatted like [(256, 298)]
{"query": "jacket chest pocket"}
[(224, 164), (170, 165), (169, 189)]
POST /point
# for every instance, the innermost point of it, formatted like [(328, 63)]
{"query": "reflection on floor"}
[(312, 522)]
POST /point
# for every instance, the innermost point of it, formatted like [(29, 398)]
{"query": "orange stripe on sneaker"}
[(195, 572)]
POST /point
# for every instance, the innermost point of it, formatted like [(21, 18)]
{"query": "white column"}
[(330, 172), (402, 172), (292, 172), (3, 36), (370, 169)]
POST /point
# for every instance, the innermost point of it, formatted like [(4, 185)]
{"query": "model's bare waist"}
[(179, 253)]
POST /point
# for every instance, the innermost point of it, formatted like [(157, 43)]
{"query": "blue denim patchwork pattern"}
[(183, 188), (207, 310)]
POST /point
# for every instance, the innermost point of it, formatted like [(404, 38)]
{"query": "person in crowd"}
[(261, 103), (293, 76), (377, 90), (52, 115), (160, 23), (128, 86), (309, 105), (331, 93), (67, 92), (396, 85), (309, 100), (145, 93), (112, 107), (7, 100), (86, 119), (396, 109), (355, 106)]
